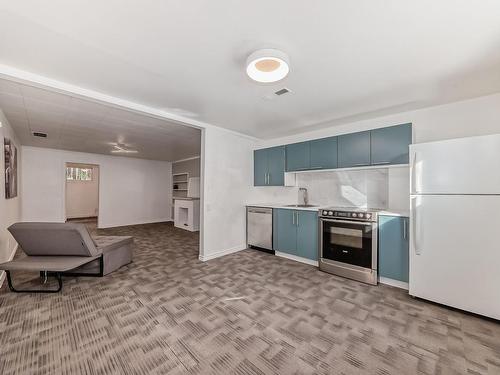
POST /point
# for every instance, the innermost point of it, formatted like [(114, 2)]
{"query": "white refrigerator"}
[(455, 223)]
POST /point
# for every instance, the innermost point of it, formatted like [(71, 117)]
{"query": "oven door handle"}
[(369, 223)]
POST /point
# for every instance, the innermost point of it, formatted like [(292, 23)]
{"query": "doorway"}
[(82, 191)]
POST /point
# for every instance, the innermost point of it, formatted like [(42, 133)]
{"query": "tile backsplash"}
[(359, 188), (386, 188)]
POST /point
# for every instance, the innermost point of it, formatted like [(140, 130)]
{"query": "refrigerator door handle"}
[(413, 189), (414, 227)]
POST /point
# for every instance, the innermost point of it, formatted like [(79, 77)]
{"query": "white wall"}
[(477, 116), (82, 197), (10, 209), (227, 171), (131, 191)]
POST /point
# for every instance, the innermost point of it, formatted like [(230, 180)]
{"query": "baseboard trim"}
[(297, 258), (135, 223), (392, 282), (2, 273), (221, 253)]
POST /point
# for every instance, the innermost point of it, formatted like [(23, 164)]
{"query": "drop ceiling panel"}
[(30, 92), (77, 124), (9, 87), (11, 101)]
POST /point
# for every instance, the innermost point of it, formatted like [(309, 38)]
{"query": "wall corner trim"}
[(221, 253)]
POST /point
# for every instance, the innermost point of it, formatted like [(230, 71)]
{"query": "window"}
[(78, 174)]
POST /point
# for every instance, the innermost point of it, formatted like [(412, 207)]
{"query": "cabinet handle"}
[(297, 212), (381, 162), (316, 167), (293, 217), (405, 230), (359, 164), (269, 178)]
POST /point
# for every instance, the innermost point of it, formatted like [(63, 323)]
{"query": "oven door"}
[(349, 242)]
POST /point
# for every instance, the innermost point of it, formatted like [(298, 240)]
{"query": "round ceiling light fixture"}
[(268, 65)]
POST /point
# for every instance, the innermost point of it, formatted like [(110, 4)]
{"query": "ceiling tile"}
[(45, 106), (9, 87), (10, 100), (36, 116), (87, 106), (30, 92), (17, 113)]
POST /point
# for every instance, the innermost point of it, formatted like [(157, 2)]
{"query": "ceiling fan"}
[(122, 148)]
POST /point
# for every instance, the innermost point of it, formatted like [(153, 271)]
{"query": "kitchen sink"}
[(301, 205)]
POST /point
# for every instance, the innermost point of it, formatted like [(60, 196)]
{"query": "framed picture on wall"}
[(10, 152)]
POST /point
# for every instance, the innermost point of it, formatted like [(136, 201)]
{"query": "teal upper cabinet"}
[(390, 145), (260, 167), (298, 156), (354, 149), (317, 154), (276, 163), (269, 166), (368, 148), (324, 153), (393, 245), (295, 232)]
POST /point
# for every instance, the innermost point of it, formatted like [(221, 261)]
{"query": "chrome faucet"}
[(303, 199)]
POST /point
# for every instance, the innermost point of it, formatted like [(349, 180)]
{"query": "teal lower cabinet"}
[(284, 231), (393, 248), (307, 234), (295, 232)]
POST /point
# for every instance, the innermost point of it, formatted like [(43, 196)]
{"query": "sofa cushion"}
[(108, 243), (44, 239), (117, 251)]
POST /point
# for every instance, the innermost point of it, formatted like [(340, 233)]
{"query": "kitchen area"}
[(344, 204), (372, 206)]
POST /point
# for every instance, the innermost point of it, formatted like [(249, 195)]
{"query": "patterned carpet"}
[(249, 313)]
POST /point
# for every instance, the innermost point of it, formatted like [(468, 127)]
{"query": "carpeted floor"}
[(248, 313)]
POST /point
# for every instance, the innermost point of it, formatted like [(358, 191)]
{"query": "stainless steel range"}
[(348, 243)]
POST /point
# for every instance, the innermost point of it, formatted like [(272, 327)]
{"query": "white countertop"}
[(395, 212), (386, 212), (285, 205)]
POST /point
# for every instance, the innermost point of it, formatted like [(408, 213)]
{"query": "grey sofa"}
[(66, 249)]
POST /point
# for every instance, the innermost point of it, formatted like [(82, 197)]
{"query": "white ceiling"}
[(349, 59), (76, 124)]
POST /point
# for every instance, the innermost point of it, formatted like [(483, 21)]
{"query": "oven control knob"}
[(325, 212), (354, 214), (330, 213), (368, 216)]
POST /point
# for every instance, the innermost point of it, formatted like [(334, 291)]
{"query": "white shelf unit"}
[(179, 187), (180, 183)]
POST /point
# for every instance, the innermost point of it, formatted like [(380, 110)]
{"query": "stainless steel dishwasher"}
[(260, 227)]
